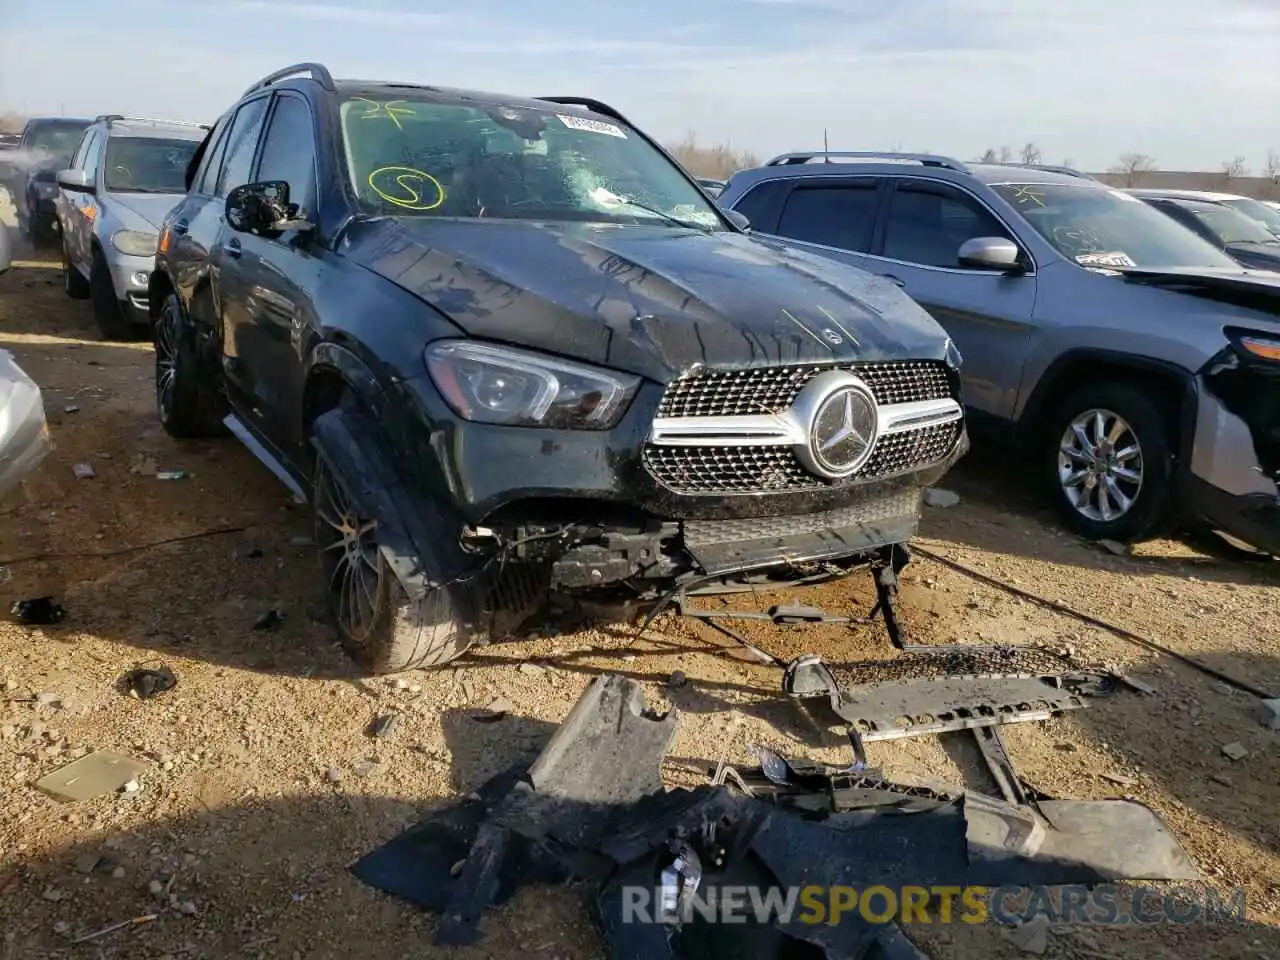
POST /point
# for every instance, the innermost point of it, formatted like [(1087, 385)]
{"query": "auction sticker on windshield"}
[(591, 126), (1112, 259)]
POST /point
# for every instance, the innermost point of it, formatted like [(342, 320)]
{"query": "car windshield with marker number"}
[(423, 157), (1102, 228)]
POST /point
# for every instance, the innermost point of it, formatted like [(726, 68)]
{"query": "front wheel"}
[(112, 323), (1109, 462), (73, 282), (189, 399), (381, 628)]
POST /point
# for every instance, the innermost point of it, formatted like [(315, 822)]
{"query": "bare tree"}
[(1234, 169), (989, 156), (1031, 153), (1132, 166), (1006, 155), (1271, 169)]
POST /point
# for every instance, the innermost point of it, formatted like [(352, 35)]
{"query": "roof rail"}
[(889, 156), (595, 106), (317, 71), (111, 117), (1046, 167)]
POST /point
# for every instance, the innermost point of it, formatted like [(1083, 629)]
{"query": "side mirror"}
[(990, 253), (78, 180), (263, 208), (739, 220)]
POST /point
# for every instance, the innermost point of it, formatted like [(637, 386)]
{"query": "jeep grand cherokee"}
[(508, 346)]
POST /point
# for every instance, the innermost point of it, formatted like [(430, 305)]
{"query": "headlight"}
[(490, 384), (1264, 348), (1254, 344), (953, 356), (134, 243)]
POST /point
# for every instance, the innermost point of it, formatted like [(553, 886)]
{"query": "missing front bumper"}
[(735, 546)]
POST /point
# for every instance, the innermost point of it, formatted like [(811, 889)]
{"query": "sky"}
[(1189, 82)]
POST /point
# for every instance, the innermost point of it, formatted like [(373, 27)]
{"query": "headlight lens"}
[(1264, 348), (134, 243), (490, 384)]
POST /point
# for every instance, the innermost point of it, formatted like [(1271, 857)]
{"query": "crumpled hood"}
[(145, 211), (650, 300)]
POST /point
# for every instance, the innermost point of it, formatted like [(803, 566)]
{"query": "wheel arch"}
[(159, 288), (1171, 386), (335, 371)]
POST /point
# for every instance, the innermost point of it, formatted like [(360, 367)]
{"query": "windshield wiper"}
[(665, 216)]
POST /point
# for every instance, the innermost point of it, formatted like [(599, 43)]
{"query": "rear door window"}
[(835, 215)]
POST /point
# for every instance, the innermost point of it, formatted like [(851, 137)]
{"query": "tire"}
[(189, 398), (112, 323), (73, 282), (1137, 423), (381, 628)]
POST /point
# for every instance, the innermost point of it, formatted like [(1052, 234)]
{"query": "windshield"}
[(57, 139), (148, 164), (1228, 225), (420, 157), (1099, 227), (1256, 210)]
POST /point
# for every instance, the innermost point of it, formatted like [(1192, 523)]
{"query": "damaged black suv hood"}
[(650, 300)]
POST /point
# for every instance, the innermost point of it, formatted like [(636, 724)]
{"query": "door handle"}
[(898, 280), (232, 247)]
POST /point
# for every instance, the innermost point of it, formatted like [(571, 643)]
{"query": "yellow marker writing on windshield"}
[(390, 109), (394, 185)]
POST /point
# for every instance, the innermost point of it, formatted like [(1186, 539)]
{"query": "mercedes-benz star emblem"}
[(843, 424)]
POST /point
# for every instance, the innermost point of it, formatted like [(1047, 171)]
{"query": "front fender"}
[(330, 357)]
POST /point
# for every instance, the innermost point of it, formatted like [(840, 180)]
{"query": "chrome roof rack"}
[(864, 156)]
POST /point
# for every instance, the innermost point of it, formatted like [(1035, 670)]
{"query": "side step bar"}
[(245, 436)]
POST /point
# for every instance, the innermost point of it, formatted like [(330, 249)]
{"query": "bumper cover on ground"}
[(580, 812), (1254, 518), (24, 434)]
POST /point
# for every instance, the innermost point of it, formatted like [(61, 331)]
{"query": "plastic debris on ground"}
[(37, 612), (145, 682), (91, 776), (592, 808)]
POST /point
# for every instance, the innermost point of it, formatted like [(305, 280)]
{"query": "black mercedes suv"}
[(508, 348)]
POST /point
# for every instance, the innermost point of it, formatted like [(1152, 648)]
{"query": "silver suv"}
[(125, 176), (1133, 367)]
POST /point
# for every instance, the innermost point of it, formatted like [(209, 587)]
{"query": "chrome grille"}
[(719, 393), (776, 469)]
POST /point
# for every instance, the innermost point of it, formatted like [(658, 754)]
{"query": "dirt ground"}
[(262, 786)]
